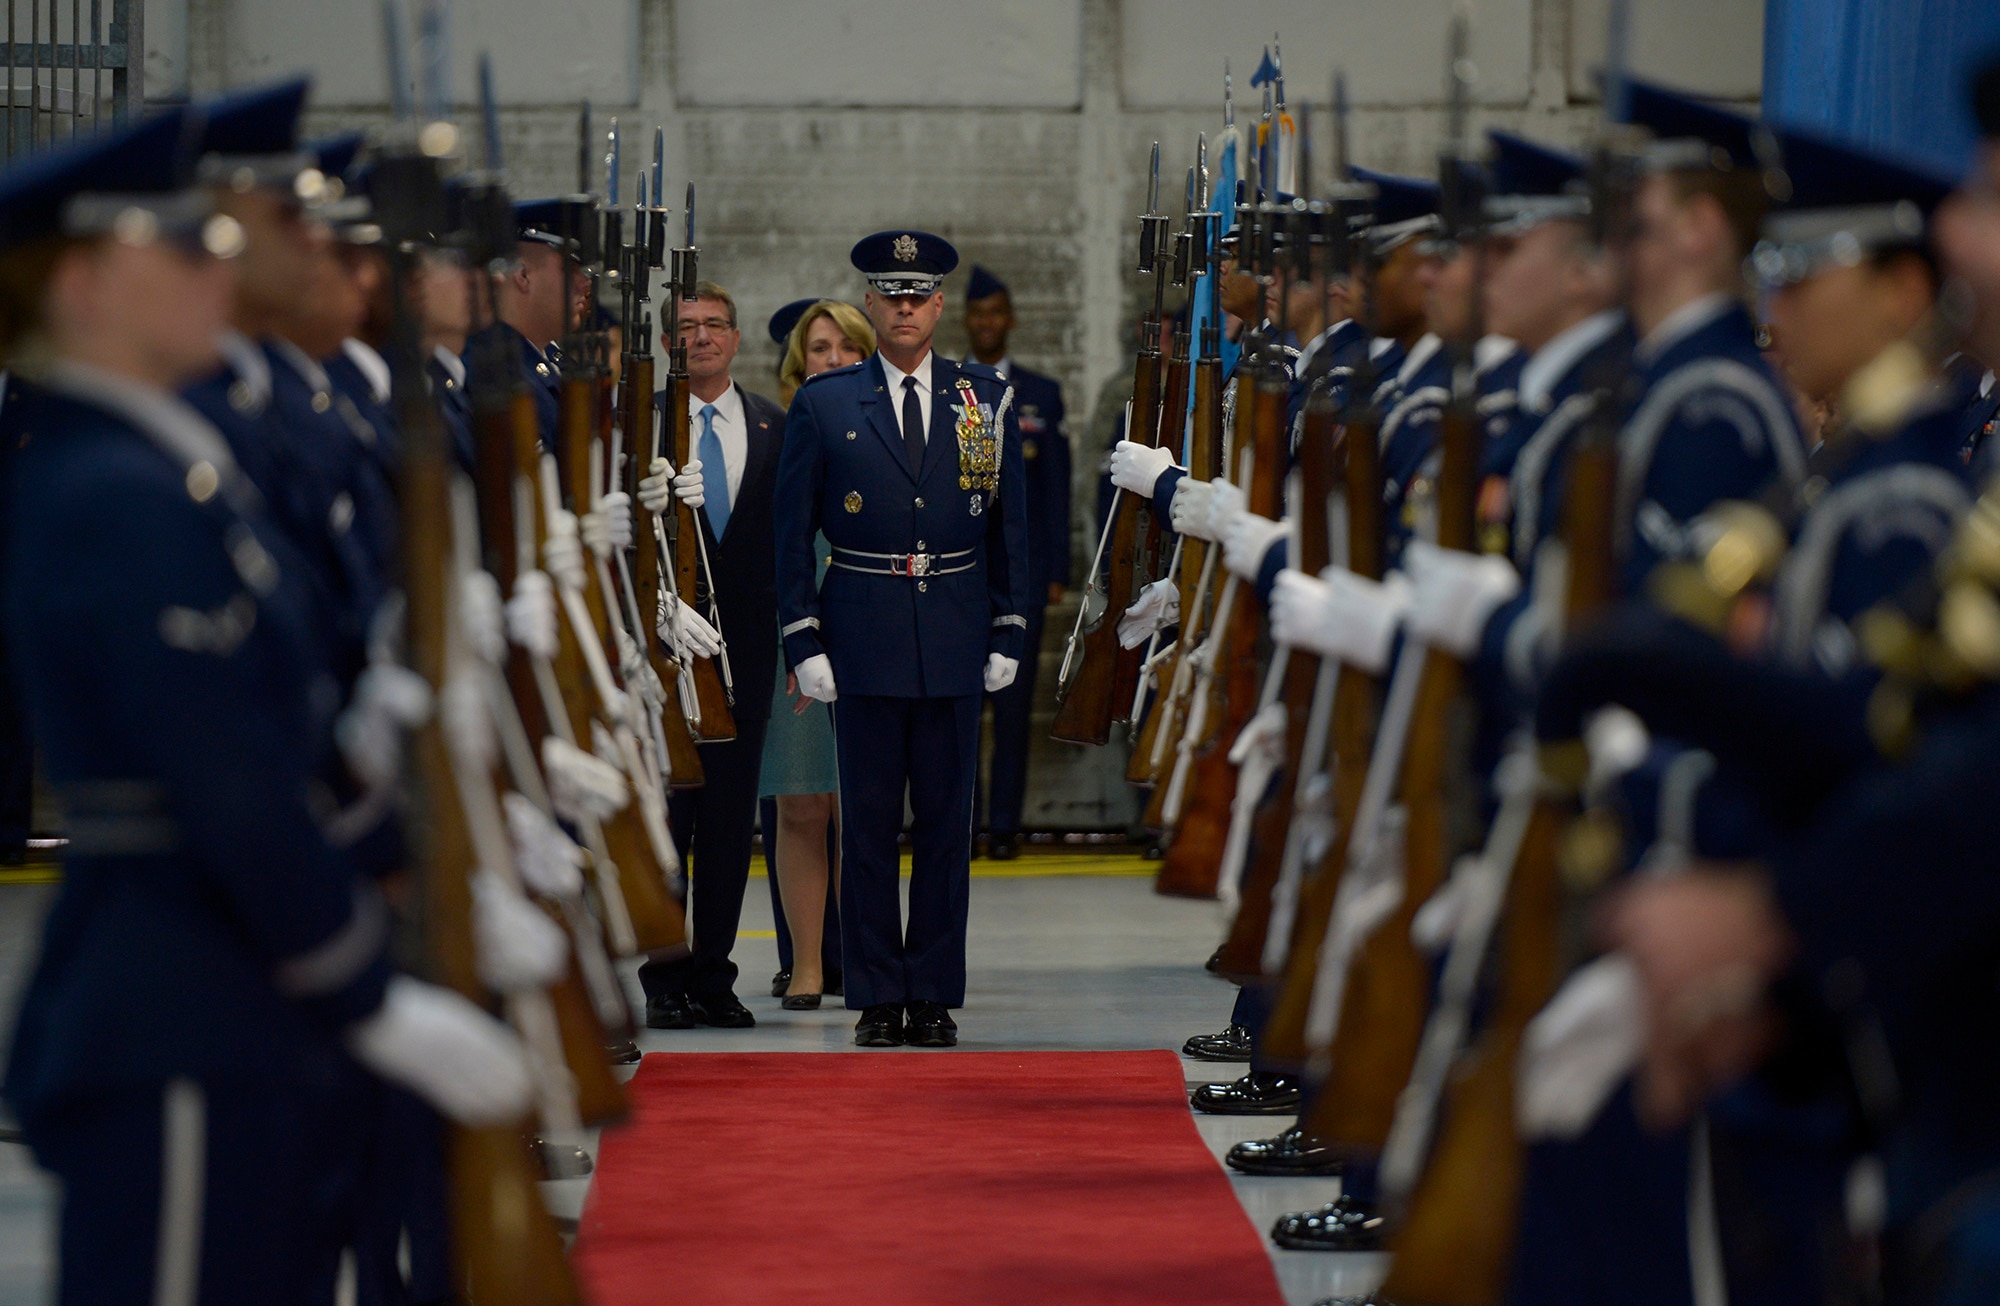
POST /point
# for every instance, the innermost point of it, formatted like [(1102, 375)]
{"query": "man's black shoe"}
[(1232, 1044), (1258, 1093), (1294, 1152), (722, 1011), (1344, 1225), (624, 1052), (671, 1011), (1003, 847), (780, 982), (931, 1026), (880, 1026)]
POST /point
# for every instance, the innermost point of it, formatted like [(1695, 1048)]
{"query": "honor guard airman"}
[(911, 466), (533, 309)]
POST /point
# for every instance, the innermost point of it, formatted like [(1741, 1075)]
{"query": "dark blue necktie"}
[(913, 426)]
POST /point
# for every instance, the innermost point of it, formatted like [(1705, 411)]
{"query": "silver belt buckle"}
[(915, 564)]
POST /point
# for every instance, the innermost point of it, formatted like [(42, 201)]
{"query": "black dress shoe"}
[(880, 1026), (1259, 1093), (1294, 1152), (671, 1011), (1232, 1044), (622, 1053), (722, 1011), (931, 1026), (800, 1002), (1003, 847), (1344, 1225), (780, 982)]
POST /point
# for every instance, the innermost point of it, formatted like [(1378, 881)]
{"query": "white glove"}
[(1137, 467), (388, 699), (1453, 594), (1000, 671), (548, 859), (688, 487), (582, 786), (1247, 540), (562, 554), (1225, 504), (608, 526), (518, 946), (816, 678), (697, 638), (1189, 509), (445, 1050), (656, 489), (1580, 1048), (531, 614), (480, 614), (1341, 615), (1159, 606)]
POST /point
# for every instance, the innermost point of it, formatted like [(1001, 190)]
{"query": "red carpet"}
[(915, 1179)]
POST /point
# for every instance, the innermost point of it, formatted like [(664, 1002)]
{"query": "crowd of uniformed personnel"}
[(1586, 724), (1554, 605)]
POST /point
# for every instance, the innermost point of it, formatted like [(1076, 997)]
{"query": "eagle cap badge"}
[(905, 249)]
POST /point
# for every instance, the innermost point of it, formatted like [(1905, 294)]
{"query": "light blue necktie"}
[(714, 473)]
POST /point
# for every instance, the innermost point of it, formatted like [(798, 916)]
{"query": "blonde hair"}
[(852, 323)]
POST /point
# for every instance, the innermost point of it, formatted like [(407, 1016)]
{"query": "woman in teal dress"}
[(799, 770)]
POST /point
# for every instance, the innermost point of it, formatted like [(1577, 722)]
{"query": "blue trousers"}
[(927, 748), (238, 1189)]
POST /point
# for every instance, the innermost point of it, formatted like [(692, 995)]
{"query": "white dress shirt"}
[(895, 376), (729, 428)]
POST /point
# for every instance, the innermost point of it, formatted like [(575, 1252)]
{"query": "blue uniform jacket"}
[(1045, 458), (544, 382), (843, 472), (168, 662), (351, 454)]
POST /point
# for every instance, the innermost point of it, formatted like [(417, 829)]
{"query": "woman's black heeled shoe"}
[(800, 1002)]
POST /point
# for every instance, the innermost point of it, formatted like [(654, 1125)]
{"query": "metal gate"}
[(71, 64)]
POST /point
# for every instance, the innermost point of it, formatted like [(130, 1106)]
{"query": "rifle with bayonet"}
[(1099, 678), (681, 531), (504, 1244)]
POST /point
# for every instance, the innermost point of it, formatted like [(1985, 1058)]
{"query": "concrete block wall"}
[(1018, 129)]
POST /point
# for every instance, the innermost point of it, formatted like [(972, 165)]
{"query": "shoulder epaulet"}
[(838, 371)]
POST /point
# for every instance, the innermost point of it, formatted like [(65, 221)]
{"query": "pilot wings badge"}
[(979, 435)]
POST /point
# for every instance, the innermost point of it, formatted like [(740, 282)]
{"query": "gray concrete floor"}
[(1057, 962)]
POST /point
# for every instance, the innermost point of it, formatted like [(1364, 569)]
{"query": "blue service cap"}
[(135, 182), (540, 221), (1405, 208), (983, 285), (338, 154), (904, 262), (1688, 132), (251, 139), (788, 317), (1840, 203), (1532, 183)]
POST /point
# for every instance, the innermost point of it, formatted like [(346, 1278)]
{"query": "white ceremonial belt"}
[(903, 564)]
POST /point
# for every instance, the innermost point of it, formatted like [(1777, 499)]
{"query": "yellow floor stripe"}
[(42, 874)]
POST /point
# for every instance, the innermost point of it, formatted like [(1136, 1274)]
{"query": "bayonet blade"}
[(1201, 167), (1340, 168), (611, 165), (1617, 38), (399, 72), (583, 151), (489, 112), (689, 215), (435, 51), (1228, 95), (1153, 185)]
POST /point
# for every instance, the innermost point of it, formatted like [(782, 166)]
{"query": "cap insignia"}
[(906, 249)]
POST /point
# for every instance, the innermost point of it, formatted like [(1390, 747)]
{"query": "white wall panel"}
[(1714, 47), (1171, 51), (883, 53)]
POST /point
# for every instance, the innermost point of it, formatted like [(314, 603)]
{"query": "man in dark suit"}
[(989, 318), (911, 466), (729, 480)]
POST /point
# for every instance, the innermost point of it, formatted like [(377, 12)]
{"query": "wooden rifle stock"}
[(1455, 1245), (1242, 953), (1146, 533), (1387, 993), (1355, 706), (1139, 768), (1193, 863), (683, 531), (636, 393)]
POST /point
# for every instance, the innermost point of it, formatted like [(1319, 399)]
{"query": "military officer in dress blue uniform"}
[(534, 308), (1038, 404), (911, 465), (169, 658)]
